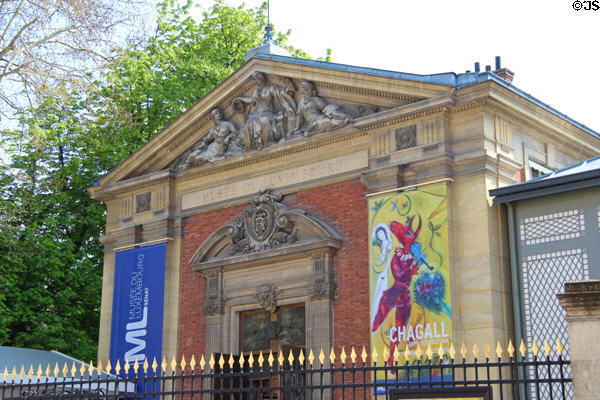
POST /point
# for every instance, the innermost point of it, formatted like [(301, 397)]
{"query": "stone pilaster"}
[(581, 301)]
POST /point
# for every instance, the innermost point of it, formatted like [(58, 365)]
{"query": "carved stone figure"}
[(262, 226), (267, 296), (270, 111), (314, 115), (220, 141)]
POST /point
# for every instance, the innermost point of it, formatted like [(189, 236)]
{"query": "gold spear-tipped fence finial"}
[(332, 356), (183, 364), (281, 359), (270, 359), (291, 358), (322, 356), (48, 371), (136, 367), (452, 351), (301, 357), (193, 363), (311, 357), (463, 350), (5, 374), (56, 370), (174, 364), (343, 356), (13, 374), (363, 355), (117, 367), (475, 351), (510, 349), (242, 360), (90, 369), (419, 351), (163, 365), (547, 348), (386, 353), (559, 347), (126, 367), (211, 362), (535, 349), (108, 367), (374, 355), (487, 350), (440, 351), (231, 362), (406, 353), (145, 366), (396, 354), (261, 359), (522, 348), (39, 371), (81, 369), (353, 355), (202, 362), (22, 373), (30, 372), (251, 361), (429, 352), (499, 350), (221, 362), (65, 370)]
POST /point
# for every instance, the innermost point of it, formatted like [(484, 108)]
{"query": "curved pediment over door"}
[(267, 231)]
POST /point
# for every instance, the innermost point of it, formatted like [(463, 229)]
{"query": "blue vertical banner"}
[(138, 303)]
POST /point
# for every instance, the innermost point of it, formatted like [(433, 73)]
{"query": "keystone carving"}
[(267, 296)]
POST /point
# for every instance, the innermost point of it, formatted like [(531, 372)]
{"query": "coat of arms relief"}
[(271, 113)]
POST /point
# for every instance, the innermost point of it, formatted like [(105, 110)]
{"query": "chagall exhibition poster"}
[(409, 274)]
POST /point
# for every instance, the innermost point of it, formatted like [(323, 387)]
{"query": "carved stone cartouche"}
[(262, 225)]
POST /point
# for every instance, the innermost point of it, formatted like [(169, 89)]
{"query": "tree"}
[(50, 229), (43, 43), (50, 254)]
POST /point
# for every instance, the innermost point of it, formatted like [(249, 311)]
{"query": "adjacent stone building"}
[(260, 192)]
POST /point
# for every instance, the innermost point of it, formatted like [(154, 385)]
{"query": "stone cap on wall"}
[(580, 296)]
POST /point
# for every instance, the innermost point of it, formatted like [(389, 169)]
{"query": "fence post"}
[(581, 301)]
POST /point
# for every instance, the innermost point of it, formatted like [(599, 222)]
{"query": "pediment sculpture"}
[(272, 113)]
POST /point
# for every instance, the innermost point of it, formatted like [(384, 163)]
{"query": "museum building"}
[(306, 204)]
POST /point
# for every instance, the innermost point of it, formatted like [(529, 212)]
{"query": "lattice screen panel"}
[(544, 275), (551, 227)]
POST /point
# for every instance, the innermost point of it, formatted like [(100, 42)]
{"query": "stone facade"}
[(325, 137)]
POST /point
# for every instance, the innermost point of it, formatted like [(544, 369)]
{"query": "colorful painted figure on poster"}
[(405, 263)]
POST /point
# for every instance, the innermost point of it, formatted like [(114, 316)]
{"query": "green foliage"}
[(49, 241), (50, 254)]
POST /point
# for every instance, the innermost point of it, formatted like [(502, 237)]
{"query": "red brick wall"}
[(344, 207)]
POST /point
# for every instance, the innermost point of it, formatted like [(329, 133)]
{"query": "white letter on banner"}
[(132, 337)]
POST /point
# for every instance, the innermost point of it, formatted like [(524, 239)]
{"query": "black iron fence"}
[(534, 374)]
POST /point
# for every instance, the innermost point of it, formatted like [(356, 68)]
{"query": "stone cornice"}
[(581, 297), (531, 126)]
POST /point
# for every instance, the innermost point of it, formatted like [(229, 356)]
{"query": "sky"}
[(551, 48)]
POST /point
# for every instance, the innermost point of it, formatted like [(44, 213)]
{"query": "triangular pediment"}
[(268, 105)]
